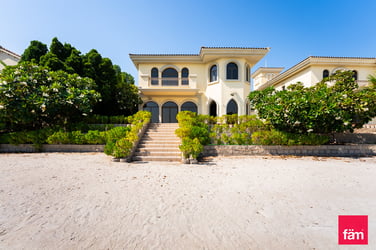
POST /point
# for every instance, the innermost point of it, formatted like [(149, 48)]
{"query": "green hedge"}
[(275, 137), (120, 146), (119, 140), (194, 133), (198, 130)]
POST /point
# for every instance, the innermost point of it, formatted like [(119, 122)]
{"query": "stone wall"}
[(28, 148), (324, 150)]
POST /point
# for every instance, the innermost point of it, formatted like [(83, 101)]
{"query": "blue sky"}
[(293, 29)]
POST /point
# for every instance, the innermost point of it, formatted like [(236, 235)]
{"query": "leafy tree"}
[(127, 95), (73, 63), (51, 61), (32, 97), (34, 52), (333, 105), (119, 95)]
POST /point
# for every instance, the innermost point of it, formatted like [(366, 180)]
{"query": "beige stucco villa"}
[(8, 57), (216, 81), (312, 70)]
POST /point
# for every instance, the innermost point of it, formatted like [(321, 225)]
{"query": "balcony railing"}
[(169, 81)]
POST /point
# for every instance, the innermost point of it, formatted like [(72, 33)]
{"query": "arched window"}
[(325, 73), (154, 76), (153, 108), (184, 76), (189, 106), (213, 73), (232, 107), (355, 75), (232, 71), (170, 77)]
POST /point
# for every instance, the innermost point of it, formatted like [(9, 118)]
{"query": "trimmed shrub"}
[(275, 137)]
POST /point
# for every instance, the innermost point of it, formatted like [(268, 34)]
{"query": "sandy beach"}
[(85, 201)]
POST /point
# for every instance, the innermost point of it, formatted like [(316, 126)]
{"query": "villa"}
[(8, 57), (214, 82), (312, 70)]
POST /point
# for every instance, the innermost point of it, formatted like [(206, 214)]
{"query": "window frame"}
[(230, 75), (185, 79), (216, 73), (154, 79)]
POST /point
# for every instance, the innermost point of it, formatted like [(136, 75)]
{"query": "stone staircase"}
[(159, 143)]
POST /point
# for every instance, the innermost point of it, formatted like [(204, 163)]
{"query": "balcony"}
[(170, 82), (167, 86)]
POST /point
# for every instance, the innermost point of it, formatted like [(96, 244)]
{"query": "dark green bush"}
[(36, 137), (95, 137)]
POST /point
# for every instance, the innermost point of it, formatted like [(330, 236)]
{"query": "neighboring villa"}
[(312, 70), (214, 82), (8, 58)]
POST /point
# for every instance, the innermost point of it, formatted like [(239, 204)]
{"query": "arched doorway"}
[(169, 112), (232, 107), (153, 108), (189, 106), (213, 108)]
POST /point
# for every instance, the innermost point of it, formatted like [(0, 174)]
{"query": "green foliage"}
[(95, 137), (120, 144), (34, 52), (231, 119), (194, 133), (236, 130), (36, 137), (191, 147), (333, 105), (116, 133), (122, 148), (32, 97), (275, 137), (119, 95)]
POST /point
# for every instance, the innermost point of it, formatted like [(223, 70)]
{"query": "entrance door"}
[(153, 108), (169, 112)]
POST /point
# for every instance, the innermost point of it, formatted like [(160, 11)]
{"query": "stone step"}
[(162, 126), (157, 134), (157, 158), (161, 132), (158, 145), (160, 141), (158, 153), (160, 149)]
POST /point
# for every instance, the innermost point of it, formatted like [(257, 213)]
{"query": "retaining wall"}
[(29, 148), (220, 150), (324, 150)]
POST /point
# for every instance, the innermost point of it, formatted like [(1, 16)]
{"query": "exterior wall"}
[(263, 75), (310, 71), (314, 74), (306, 77), (144, 73), (7, 59), (221, 91)]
